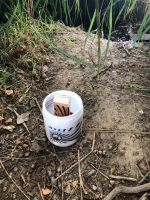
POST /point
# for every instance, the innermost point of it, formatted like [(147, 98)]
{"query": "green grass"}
[(24, 19)]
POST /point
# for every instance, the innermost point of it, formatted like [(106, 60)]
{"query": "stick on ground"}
[(78, 161), (127, 190), (122, 177), (13, 181)]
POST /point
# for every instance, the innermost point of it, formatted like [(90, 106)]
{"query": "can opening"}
[(74, 106)]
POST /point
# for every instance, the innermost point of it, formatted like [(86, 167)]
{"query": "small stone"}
[(4, 189), (15, 169), (14, 196), (110, 147), (135, 153), (121, 152), (100, 152), (33, 165), (95, 109), (112, 182), (104, 153), (27, 154), (59, 169), (20, 155), (94, 187), (25, 145)]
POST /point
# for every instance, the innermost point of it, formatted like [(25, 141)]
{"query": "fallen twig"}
[(100, 172), (24, 124), (81, 182), (13, 181), (128, 190), (38, 104), (40, 190), (23, 179), (24, 94), (139, 171), (104, 70), (78, 161), (144, 197), (123, 177), (143, 179)]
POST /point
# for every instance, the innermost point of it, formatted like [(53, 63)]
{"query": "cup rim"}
[(64, 117)]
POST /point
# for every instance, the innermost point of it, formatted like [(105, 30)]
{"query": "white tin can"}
[(63, 131)]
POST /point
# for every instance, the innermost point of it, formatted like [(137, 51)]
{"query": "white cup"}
[(63, 131)]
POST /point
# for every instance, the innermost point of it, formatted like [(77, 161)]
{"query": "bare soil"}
[(118, 116)]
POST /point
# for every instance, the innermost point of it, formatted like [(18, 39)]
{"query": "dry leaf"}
[(23, 117), (67, 189), (68, 182), (74, 183), (8, 121), (9, 128), (9, 92), (45, 69), (46, 191), (17, 141)]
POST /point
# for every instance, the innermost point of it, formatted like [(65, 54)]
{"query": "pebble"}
[(135, 153), (94, 187), (15, 169), (95, 109), (27, 154), (25, 145), (4, 189)]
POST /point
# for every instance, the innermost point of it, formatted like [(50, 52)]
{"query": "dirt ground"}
[(116, 116)]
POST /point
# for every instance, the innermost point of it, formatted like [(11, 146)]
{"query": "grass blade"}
[(98, 29), (140, 29), (91, 25), (62, 51), (110, 28)]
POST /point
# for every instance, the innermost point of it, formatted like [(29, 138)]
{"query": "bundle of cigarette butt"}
[(62, 105)]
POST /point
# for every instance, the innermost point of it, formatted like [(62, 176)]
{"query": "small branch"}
[(143, 179), (127, 190), (24, 94), (101, 172), (144, 197), (139, 171), (123, 177), (40, 191), (78, 161), (38, 105), (13, 181), (81, 182), (104, 70)]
